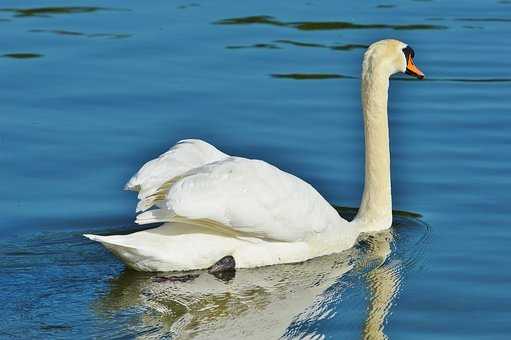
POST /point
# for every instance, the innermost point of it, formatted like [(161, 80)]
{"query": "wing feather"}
[(249, 197), (156, 176)]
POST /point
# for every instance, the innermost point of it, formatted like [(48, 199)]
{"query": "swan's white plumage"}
[(235, 206), (213, 205), (183, 246), (251, 197), (182, 157)]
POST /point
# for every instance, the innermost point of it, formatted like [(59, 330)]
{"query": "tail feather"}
[(137, 258), (93, 237), (155, 175), (155, 216), (149, 199)]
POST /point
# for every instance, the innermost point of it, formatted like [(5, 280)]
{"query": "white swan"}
[(215, 205), (273, 302)]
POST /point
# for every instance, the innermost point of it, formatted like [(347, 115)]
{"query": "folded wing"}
[(244, 197), (182, 157)]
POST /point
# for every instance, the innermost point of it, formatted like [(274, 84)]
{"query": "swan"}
[(273, 302), (215, 206)]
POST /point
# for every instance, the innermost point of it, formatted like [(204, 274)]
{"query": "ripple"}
[(320, 76), (471, 27), (310, 76), (109, 35), (345, 47), (321, 25), (458, 80), (300, 44), (266, 46), (88, 35), (348, 47), (338, 25), (484, 19), (49, 11), (476, 80), (55, 327), (22, 55), (256, 19), (188, 6)]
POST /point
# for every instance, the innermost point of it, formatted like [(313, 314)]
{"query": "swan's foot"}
[(226, 263), (182, 278), (224, 269)]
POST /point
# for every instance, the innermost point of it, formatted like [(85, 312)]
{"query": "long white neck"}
[(375, 211)]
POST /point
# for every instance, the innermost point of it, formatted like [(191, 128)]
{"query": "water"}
[(92, 91)]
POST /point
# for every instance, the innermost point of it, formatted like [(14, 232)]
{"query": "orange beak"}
[(413, 70)]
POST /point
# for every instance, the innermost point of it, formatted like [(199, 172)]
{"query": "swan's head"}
[(391, 56)]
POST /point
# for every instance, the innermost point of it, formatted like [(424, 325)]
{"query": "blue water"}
[(92, 91)]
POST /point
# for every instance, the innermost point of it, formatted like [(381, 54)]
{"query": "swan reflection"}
[(280, 301)]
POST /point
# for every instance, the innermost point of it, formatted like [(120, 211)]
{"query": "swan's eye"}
[(411, 68), (409, 52)]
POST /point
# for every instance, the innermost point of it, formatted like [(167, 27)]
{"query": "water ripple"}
[(265, 46), (24, 55), (49, 11), (310, 76), (484, 19), (386, 6), (322, 76), (88, 35), (322, 25), (345, 47)]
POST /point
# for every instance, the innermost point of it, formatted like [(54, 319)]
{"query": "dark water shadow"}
[(276, 43), (348, 47), (325, 76), (472, 27), (53, 328), (191, 5), (322, 25), (484, 19), (300, 44), (457, 80), (385, 6), (50, 11), (310, 76), (24, 55), (350, 212), (263, 46), (80, 34), (345, 47)]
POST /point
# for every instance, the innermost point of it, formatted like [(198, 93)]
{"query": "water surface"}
[(91, 90)]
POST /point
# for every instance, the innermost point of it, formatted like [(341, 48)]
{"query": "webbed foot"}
[(224, 269)]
